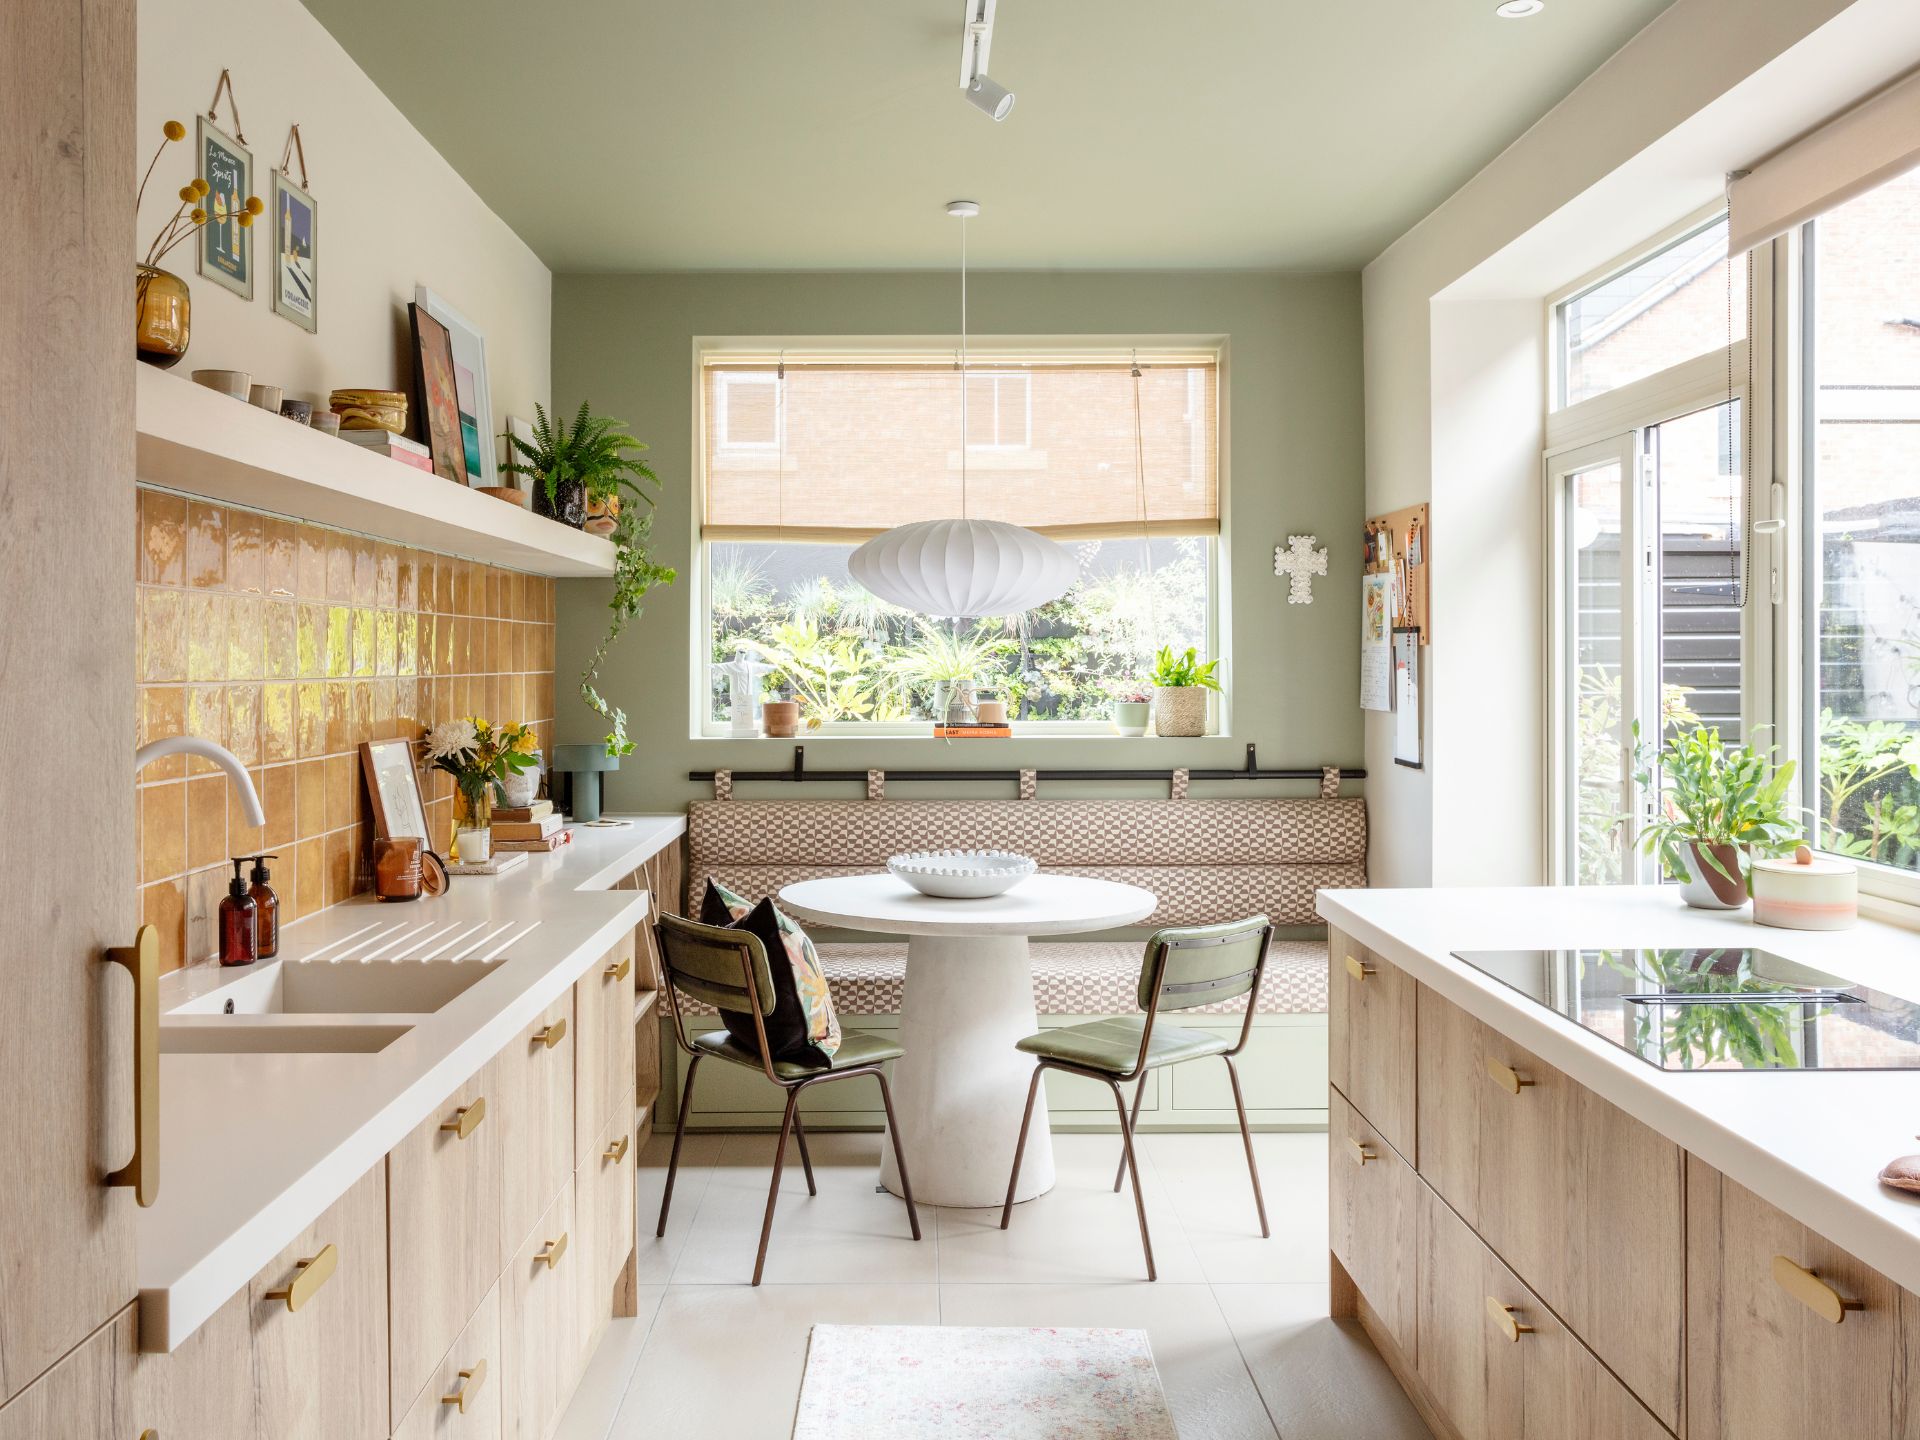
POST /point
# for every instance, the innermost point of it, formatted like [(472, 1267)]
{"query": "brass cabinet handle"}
[(1810, 1290), (309, 1275), (467, 1118), (1358, 969), (141, 960), (552, 1252), (620, 971), (1503, 1317), (1361, 1154), (616, 1152), (553, 1034), (469, 1386), (1507, 1078)]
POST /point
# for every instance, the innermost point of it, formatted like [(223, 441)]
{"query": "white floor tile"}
[(1205, 1177), (655, 1257), (604, 1387)]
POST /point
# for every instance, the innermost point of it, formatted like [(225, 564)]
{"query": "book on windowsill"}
[(557, 840), (973, 732), (524, 829), (522, 814)]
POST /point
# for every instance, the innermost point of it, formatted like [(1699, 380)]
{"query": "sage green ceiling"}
[(827, 134)]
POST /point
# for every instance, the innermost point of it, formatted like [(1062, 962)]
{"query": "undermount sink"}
[(348, 987), (259, 1035)]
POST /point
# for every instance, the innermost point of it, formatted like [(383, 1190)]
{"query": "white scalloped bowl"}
[(962, 874)]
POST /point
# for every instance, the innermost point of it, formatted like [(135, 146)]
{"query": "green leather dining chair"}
[(1182, 968), (727, 969)]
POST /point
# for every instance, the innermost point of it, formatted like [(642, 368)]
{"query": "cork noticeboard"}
[(1401, 543)]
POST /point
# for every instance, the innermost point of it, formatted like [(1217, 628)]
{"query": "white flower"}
[(451, 738)]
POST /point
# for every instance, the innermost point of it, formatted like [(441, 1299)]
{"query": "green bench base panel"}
[(1283, 1072)]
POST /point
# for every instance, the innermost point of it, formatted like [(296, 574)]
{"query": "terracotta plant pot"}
[(1706, 888), (1179, 710), (781, 717)]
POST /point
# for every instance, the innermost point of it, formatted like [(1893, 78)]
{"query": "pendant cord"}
[(780, 441), (964, 431), (1140, 482)]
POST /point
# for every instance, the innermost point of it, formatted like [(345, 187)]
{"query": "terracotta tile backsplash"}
[(290, 644)]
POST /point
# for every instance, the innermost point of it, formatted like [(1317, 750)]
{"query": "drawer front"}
[(1494, 1358), (1370, 1030), (461, 1400), (1584, 1202), (603, 1053), (316, 1366), (540, 1350), (1768, 1356), (89, 1392), (1371, 1217), (443, 1190), (536, 1122), (193, 1390), (603, 1197)]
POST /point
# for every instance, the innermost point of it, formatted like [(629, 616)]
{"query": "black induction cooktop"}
[(1715, 1009)]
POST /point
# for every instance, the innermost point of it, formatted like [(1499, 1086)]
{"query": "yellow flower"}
[(188, 195), (199, 216), (174, 130), (255, 205), (199, 186), (245, 218)]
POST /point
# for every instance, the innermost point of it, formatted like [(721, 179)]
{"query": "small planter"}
[(1180, 710), (602, 516), (1132, 717), (518, 791), (1706, 888), (781, 718), (569, 503)]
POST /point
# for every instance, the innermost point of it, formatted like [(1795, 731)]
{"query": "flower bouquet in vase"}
[(478, 756)]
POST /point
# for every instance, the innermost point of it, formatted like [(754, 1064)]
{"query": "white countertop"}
[(1808, 1142), (253, 1147)]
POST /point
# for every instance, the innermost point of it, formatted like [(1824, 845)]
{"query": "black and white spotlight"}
[(983, 92)]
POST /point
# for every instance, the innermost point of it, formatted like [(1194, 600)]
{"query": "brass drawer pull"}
[(620, 971), (309, 1276), (616, 1152), (553, 1034), (467, 1118), (553, 1251), (1361, 1154), (469, 1386), (1810, 1290), (1503, 1317), (141, 960), (1507, 1078), (1357, 969)]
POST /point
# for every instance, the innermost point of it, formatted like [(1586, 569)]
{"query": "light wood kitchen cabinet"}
[(1584, 1202), (536, 1122), (320, 1334), (1371, 1217), (603, 1049), (461, 1399), (1776, 1348), (603, 1197), (1370, 1039), (444, 1206), (540, 1334), (89, 1393), (204, 1387)]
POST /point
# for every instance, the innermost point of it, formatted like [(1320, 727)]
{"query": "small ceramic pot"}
[(228, 382), (326, 422), (298, 411), (781, 717), (568, 505), (476, 846), (267, 397), (1706, 888), (1179, 710), (518, 791), (990, 712), (1131, 717)]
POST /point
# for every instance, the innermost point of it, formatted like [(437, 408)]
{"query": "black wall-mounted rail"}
[(800, 774)]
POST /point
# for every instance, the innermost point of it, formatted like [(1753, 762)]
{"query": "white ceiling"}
[(782, 135)]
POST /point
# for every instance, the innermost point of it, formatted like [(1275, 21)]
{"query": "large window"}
[(808, 453)]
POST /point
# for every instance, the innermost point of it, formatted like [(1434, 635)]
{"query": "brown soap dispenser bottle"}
[(267, 924), (239, 922)]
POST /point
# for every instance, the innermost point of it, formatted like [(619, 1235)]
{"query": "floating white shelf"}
[(198, 441)]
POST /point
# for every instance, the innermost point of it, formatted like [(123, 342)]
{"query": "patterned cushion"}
[(802, 1018), (1076, 978)]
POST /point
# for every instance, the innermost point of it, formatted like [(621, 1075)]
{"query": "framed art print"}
[(296, 252), (223, 250), (470, 375), (438, 397), (521, 430)]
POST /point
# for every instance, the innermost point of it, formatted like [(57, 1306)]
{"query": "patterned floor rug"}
[(937, 1382)]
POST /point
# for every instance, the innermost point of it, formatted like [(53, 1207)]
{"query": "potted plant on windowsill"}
[(1720, 807), (1180, 686), (952, 663), (1132, 709)]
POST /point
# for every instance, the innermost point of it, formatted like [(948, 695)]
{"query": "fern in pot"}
[(1720, 807)]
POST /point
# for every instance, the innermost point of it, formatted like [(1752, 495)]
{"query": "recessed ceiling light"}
[(1519, 9)]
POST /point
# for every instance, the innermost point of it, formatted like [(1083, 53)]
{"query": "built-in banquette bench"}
[(1207, 860)]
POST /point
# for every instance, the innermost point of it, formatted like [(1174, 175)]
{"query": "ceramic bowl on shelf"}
[(962, 874), (235, 383)]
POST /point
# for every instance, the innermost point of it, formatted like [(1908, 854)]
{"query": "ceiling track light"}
[(984, 93)]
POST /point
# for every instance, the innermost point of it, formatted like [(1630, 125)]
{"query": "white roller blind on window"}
[(1848, 156), (844, 447)]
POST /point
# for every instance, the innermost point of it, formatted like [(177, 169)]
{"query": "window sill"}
[(1062, 730)]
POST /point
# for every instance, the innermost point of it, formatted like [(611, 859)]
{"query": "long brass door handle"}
[(616, 1152), (308, 1276), (141, 960), (1358, 969), (553, 1034), (620, 971), (469, 1386), (467, 1118), (1507, 1078), (1361, 1154), (1810, 1290), (551, 1253), (1504, 1318)]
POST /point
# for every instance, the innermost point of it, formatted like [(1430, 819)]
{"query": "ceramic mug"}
[(326, 421), (298, 411), (228, 382), (990, 712), (267, 397)]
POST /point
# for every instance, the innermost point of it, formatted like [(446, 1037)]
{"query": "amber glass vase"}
[(162, 312)]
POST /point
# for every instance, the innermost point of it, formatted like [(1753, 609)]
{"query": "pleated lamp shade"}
[(964, 568)]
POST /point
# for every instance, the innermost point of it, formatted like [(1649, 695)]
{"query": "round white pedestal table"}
[(960, 1087)]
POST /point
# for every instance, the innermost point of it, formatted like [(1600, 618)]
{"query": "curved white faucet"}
[(206, 750)]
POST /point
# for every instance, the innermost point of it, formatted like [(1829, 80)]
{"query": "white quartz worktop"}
[(1808, 1142), (253, 1147)]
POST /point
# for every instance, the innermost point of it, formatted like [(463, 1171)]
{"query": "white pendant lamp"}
[(963, 568)]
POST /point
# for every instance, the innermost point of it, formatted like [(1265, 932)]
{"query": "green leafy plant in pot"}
[(1180, 686), (1719, 808), (596, 460)]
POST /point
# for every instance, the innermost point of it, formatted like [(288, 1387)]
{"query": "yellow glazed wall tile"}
[(277, 730), (163, 538), (339, 567), (343, 790), (163, 831), (310, 641), (310, 885), (339, 866), (242, 838), (206, 623), (310, 719), (163, 635), (339, 642), (246, 637), (163, 711), (386, 575), (386, 642), (310, 798), (365, 582), (243, 722), (364, 656), (246, 552), (406, 643), (339, 716), (206, 821), (280, 625), (164, 906), (407, 579), (206, 718), (360, 713), (206, 545), (281, 552), (310, 571)]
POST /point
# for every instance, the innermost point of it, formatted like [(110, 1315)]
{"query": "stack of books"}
[(533, 828), (973, 730), (394, 447)]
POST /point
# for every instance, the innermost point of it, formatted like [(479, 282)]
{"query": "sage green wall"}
[(1292, 426)]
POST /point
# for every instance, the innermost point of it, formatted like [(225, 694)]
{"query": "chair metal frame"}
[(752, 956), (1162, 945)]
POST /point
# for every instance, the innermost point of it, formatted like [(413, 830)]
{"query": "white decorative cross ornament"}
[(1298, 559)]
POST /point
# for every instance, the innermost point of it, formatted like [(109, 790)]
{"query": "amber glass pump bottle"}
[(267, 925), (239, 922)]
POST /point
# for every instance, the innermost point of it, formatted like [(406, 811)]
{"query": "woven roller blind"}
[(842, 448)]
